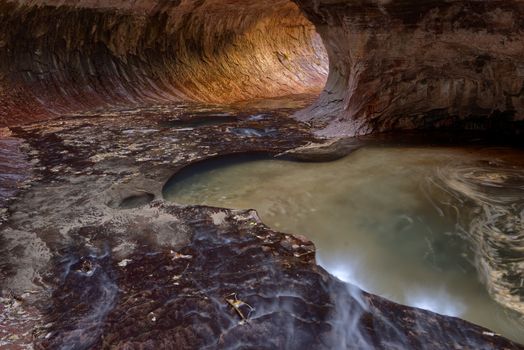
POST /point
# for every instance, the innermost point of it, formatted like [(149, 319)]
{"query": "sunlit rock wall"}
[(419, 63), (67, 56)]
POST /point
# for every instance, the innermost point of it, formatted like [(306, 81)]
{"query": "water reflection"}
[(384, 218)]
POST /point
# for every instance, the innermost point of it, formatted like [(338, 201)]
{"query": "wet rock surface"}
[(237, 284), (14, 167), (323, 150), (90, 254), (95, 275)]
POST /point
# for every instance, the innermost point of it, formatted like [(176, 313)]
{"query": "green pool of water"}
[(381, 218)]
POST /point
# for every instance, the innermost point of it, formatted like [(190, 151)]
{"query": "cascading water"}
[(380, 219)]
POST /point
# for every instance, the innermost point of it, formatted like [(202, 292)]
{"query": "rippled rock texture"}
[(495, 228)]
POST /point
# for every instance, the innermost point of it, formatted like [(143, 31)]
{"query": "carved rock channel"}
[(105, 100)]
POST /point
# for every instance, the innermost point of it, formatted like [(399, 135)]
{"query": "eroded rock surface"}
[(156, 275), (392, 64), (109, 265), (419, 64), (495, 227), (103, 53), (14, 166), (237, 284)]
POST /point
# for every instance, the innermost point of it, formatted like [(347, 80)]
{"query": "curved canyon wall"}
[(394, 64), (406, 64), (65, 56)]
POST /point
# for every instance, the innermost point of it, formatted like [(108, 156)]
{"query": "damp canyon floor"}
[(381, 218), (392, 219)]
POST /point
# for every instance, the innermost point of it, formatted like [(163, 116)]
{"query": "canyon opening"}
[(234, 174)]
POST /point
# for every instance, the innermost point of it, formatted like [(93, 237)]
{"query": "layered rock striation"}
[(65, 56), (419, 64), (393, 64)]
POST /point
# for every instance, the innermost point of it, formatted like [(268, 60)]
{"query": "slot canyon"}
[(246, 174)]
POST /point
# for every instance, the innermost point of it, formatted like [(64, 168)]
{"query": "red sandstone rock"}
[(105, 53), (394, 64), (418, 64)]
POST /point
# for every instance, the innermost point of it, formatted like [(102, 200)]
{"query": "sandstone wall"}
[(394, 64), (63, 56), (419, 63)]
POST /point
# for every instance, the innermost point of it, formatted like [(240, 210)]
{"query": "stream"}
[(402, 222)]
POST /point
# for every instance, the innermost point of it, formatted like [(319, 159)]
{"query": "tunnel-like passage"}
[(420, 64), (396, 64), (60, 57), (91, 215)]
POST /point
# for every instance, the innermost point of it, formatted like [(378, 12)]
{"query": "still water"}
[(383, 218)]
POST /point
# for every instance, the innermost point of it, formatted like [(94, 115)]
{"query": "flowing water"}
[(397, 221)]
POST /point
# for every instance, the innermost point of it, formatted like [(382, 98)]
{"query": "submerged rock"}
[(495, 227)]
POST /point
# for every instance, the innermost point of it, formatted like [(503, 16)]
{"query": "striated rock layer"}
[(418, 64), (393, 64), (62, 56)]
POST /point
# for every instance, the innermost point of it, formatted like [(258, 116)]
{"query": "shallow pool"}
[(391, 220)]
